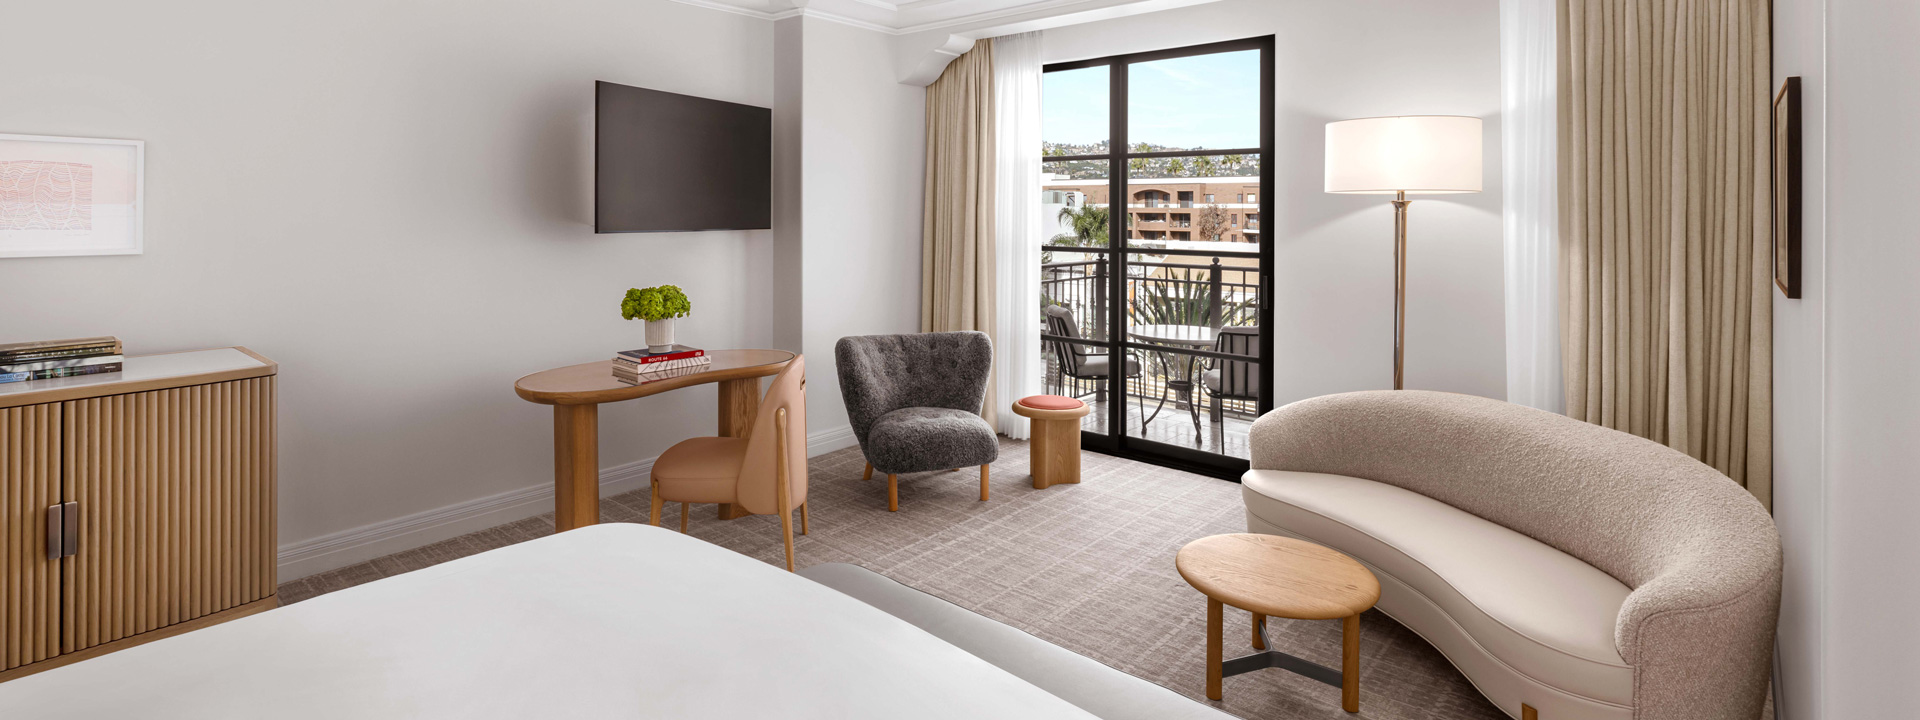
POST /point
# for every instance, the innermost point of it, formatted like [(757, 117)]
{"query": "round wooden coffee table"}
[(1282, 577)]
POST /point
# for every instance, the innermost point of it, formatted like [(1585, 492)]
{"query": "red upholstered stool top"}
[(1051, 402)]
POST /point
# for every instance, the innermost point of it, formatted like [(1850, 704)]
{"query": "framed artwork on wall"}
[(70, 196), (1786, 188)]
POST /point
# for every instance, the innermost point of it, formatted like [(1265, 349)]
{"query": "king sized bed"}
[(608, 621)]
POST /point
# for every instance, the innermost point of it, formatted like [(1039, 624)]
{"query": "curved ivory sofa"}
[(1582, 571)]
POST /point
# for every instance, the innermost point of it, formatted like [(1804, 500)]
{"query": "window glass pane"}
[(1075, 290), (1073, 202), (1197, 102), (1073, 111)]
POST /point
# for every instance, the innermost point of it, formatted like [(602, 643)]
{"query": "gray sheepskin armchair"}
[(914, 401)]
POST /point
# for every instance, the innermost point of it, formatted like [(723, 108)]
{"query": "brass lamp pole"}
[(1400, 155), (1400, 203)]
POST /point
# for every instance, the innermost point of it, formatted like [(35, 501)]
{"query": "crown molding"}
[(808, 8), (734, 9), (831, 17)]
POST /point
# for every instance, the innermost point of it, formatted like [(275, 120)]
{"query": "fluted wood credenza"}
[(134, 505)]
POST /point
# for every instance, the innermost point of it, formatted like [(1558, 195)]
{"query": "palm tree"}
[(1234, 161), (1089, 225), (1176, 168), (1206, 166)]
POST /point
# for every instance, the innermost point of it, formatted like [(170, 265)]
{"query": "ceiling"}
[(897, 17)]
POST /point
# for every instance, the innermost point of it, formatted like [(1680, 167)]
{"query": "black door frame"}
[(1119, 152)]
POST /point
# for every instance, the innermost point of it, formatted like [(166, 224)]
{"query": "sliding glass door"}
[(1155, 284)]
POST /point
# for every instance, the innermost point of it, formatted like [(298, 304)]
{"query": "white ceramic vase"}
[(660, 335)]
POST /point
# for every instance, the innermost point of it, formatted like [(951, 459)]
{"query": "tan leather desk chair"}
[(763, 473)]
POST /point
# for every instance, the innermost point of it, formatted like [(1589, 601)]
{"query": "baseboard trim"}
[(338, 550), (826, 441)]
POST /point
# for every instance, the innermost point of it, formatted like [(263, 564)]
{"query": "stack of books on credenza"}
[(639, 366), (20, 362)]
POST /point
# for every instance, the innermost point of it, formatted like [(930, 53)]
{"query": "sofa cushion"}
[(919, 439), (1542, 612), (1095, 688)]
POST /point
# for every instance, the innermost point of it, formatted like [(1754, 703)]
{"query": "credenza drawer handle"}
[(63, 530), (56, 540), (70, 529)]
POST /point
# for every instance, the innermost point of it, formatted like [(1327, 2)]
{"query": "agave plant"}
[(1177, 301)]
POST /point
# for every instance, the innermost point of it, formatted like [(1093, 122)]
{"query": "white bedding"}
[(608, 621)]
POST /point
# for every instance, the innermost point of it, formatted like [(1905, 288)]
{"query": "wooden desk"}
[(576, 391)]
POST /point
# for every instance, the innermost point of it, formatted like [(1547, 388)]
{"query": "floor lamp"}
[(1410, 154)]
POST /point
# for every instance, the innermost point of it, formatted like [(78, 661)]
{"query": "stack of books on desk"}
[(641, 365), (20, 362)]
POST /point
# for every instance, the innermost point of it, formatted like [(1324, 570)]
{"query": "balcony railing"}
[(1158, 293)]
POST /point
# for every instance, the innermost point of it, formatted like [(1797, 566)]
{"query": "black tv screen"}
[(664, 162)]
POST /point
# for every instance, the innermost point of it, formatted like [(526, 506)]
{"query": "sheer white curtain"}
[(1530, 154), (1016, 89)]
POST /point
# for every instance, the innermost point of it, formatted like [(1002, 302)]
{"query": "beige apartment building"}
[(1171, 209)]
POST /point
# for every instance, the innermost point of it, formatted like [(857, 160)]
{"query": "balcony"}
[(1168, 400)]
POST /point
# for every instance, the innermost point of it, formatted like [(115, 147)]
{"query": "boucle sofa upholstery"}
[(1582, 571)]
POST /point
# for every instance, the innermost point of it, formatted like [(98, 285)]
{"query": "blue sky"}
[(1210, 101)]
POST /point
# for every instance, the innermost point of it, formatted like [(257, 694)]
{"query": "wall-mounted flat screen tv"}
[(664, 162)]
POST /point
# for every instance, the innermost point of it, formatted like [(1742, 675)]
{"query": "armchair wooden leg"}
[(656, 504), (1527, 712), (893, 492), (685, 510), (869, 475), (803, 518), (983, 483)]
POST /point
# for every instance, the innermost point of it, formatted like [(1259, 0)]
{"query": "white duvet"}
[(608, 621)]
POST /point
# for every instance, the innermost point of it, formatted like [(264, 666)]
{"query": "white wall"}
[(1872, 636), (1799, 371), (789, 188), (393, 200), (864, 142), (1334, 253)]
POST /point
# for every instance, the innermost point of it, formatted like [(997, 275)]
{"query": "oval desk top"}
[(593, 383)]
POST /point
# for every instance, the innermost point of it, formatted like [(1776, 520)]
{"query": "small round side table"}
[(1056, 437), (1282, 577)]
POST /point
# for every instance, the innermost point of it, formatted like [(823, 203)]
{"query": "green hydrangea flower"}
[(656, 303)]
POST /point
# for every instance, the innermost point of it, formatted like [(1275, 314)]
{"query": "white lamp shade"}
[(1411, 154)]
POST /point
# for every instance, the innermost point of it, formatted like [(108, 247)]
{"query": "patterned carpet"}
[(1088, 567)]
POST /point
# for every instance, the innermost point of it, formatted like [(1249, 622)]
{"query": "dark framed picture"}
[(1786, 188)]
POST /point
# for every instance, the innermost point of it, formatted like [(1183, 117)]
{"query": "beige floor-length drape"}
[(1664, 210), (956, 243)]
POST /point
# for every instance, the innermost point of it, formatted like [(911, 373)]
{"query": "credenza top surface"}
[(141, 373)]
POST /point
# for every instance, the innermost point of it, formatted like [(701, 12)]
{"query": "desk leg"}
[(576, 466), (739, 405)]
